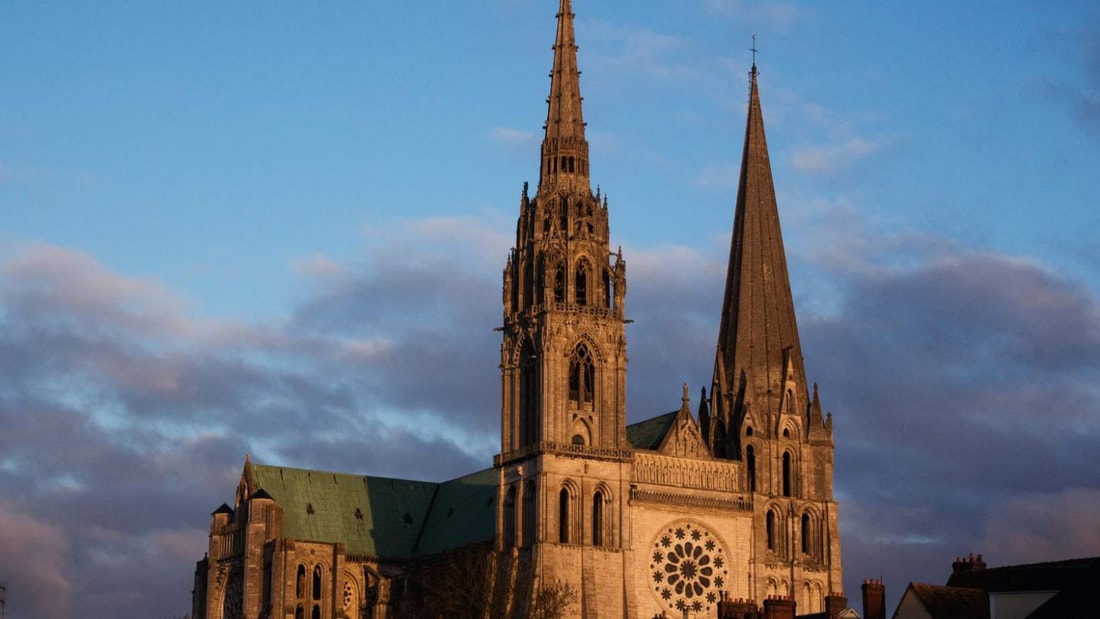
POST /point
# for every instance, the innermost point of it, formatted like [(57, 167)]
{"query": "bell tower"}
[(563, 356), (565, 460), (762, 410)]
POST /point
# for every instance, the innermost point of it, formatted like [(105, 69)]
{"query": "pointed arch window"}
[(750, 466), (786, 473), (559, 283), (770, 529), (582, 376), (597, 519), (528, 394), (510, 518), (317, 583), (300, 582), (581, 288), (563, 516), (805, 534), (608, 289), (528, 522)]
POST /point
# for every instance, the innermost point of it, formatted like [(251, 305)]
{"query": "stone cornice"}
[(741, 503), (564, 449)]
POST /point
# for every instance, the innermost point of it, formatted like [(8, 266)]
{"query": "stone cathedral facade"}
[(667, 515)]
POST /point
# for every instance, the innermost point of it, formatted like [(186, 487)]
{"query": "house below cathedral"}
[(669, 516)]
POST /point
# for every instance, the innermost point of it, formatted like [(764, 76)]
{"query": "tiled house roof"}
[(952, 602)]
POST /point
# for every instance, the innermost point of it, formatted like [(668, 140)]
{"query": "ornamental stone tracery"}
[(688, 568)]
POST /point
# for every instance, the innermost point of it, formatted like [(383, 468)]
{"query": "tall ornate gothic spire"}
[(759, 363), (563, 362), (564, 148)]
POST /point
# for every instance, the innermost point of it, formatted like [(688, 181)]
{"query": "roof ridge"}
[(424, 521)]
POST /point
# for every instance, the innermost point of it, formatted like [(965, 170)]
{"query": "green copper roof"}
[(382, 516), (464, 511), (648, 434)]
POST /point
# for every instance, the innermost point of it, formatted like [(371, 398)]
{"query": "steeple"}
[(564, 346), (759, 363), (564, 147)]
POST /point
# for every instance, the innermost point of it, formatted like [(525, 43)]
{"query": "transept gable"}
[(683, 438)]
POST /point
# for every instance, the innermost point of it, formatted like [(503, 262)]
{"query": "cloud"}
[(49, 278), (114, 394), (632, 50), (1085, 103), (1045, 526), (1082, 98), (37, 566), (721, 176), (776, 13), (941, 363), (515, 139), (830, 158)]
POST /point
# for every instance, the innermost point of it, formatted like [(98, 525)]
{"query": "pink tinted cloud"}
[(36, 566), (1044, 526)]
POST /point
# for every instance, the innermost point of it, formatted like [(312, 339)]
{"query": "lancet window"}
[(528, 522), (528, 394), (770, 529), (806, 534), (559, 283), (581, 288), (563, 516), (510, 518), (786, 473), (582, 376), (750, 466), (597, 519)]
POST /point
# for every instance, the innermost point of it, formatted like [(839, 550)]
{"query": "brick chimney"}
[(874, 599), (779, 607), (737, 609), (834, 604), (968, 564)]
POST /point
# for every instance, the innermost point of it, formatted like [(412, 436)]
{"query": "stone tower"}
[(565, 460), (761, 411)]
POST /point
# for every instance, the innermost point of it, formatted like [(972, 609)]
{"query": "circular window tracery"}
[(349, 595), (688, 568)]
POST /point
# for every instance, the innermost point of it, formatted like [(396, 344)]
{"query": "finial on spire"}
[(753, 50)]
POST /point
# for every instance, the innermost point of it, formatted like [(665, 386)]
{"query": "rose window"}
[(688, 568)]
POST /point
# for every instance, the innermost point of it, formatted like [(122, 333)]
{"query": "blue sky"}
[(272, 230)]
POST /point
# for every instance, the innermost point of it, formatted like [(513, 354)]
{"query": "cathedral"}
[(672, 516)]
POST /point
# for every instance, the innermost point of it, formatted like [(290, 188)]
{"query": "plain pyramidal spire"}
[(759, 353)]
